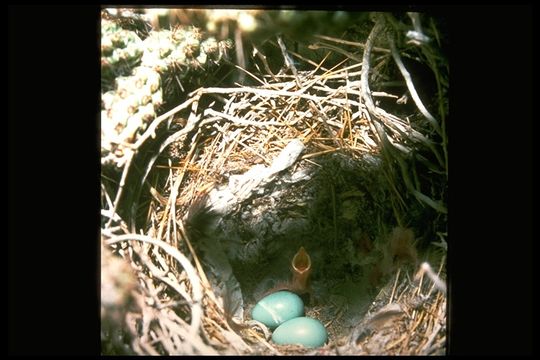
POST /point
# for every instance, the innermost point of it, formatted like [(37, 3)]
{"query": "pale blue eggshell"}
[(301, 331), (276, 308)]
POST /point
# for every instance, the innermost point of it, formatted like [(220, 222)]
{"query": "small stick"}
[(425, 268), (288, 62), (341, 41), (264, 61), (129, 155), (394, 287), (336, 49), (410, 85)]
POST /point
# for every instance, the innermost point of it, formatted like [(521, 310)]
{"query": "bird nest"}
[(245, 178)]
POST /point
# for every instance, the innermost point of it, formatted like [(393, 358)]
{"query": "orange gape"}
[(301, 269)]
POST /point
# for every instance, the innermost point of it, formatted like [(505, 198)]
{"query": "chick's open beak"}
[(301, 269)]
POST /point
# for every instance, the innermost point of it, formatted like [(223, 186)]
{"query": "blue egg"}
[(276, 308), (301, 331)]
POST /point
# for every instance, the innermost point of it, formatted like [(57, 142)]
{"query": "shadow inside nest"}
[(341, 214)]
